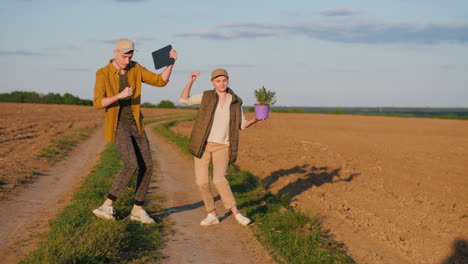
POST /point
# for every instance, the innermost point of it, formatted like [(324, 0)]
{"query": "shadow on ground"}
[(459, 254), (307, 176), (182, 208)]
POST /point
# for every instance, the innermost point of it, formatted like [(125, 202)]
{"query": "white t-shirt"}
[(220, 129)]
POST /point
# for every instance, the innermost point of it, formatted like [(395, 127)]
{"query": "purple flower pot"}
[(261, 111)]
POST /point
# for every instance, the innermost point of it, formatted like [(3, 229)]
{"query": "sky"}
[(398, 53)]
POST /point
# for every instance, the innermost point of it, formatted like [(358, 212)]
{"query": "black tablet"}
[(161, 57)]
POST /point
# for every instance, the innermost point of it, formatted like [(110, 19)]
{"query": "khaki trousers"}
[(220, 155)]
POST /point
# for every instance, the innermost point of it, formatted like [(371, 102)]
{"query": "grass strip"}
[(172, 117), (179, 140), (292, 236), (77, 236), (59, 148)]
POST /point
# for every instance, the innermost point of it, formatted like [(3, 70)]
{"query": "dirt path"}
[(25, 215), (227, 242)]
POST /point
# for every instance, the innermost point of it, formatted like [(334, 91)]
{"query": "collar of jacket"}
[(235, 98), (111, 67)]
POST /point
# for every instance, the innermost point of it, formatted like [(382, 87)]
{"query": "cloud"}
[(339, 12), (347, 31), (329, 12), (6, 52), (50, 51), (242, 32)]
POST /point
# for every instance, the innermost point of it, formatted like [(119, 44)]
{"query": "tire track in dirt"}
[(227, 242), (25, 216)]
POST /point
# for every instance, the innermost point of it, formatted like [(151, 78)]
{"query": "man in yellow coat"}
[(118, 91)]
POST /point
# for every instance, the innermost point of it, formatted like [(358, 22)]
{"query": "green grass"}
[(77, 236), (292, 236), (451, 116), (59, 148), (172, 117), (179, 140), (26, 178), (3, 180)]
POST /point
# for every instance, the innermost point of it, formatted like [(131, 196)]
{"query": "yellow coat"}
[(107, 84)]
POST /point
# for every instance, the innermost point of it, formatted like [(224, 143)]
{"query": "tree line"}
[(68, 99), (50, 98)]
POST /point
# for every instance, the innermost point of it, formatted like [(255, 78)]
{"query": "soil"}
[(393, 190), (26, 129)]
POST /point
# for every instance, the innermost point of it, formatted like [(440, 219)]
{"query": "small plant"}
[(265, 97), (22, 180)]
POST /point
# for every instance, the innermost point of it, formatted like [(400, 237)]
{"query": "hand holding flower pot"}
[(265, 98)]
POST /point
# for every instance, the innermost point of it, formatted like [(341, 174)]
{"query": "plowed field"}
[(27, 129), (394, 190)]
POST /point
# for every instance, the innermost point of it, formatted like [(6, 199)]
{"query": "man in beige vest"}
[(215, 136)]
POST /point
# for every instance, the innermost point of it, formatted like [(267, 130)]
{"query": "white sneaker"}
[(141, 216), (242, 219), (209, 220), (105, 212)]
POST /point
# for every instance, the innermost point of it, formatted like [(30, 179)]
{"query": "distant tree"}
[(20, 97), (70, 99), (36, 98), (337, 111), (148, 105), (5, 97), (50, 98), (85, 102), (53, 98), (166, 104)]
